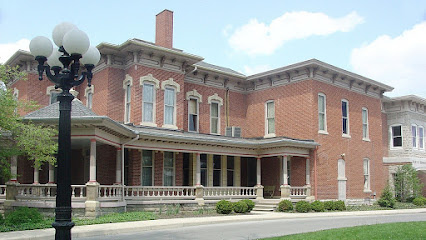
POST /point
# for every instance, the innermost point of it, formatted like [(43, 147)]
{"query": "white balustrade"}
[(47, 191), (298, 191), (153, 192), (110, 191), (229, 192)]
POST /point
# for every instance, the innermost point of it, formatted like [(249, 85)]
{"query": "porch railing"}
[(2, 191), (47, 191), (298, 191), (229, 192), (110, 192), (152, 192)]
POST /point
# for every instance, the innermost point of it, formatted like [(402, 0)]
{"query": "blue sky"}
[(381, 40)]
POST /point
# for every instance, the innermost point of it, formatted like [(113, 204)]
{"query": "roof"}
[(52, 111), (412, 98), (220, 69)]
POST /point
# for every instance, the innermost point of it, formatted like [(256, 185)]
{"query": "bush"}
[(419, 201), (407, 183), (339, 205), (285, 206), (224, 207), (250, 204), (317, 206), (23, 215), (1, 219), (303, 206), (240, 207), (386, 199), (329, 205)]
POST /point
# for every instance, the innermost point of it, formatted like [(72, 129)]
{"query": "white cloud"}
[(256, 69), (255, 38), (8, 49), (226, 30), (399, 62)]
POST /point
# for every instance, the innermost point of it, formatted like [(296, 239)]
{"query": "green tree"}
[(16, 136), (407, 183)]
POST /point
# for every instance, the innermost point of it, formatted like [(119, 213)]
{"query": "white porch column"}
[(285, 170), (14, 169), (258, 172), (285, 188), (92, 177), (36, 176), (51, 174), (198, 170), (308, 172), (118, 167)]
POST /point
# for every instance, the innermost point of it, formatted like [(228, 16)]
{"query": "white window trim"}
[(194, 94), (197, 126), (174, 168), (170, 126), (269, 135), (348, 134), (367, 138), (368, 189), (87, 91), (50, 89), (416, 141), (218, 117), (128, 81), (325, 114), (391, 137), (153, 165), (421, 147), (154, 103)]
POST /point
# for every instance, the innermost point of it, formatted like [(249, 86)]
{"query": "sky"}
[(381, 40)]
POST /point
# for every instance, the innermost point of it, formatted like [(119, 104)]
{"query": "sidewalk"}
[(115, 228)]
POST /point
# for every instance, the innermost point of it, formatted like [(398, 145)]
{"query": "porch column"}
[(198, 171), (36, 176), (51, 174), (285, 170), (92, 177), (308, 172), (285, 188), (199, 189), (118, 167), (14, 169), (259, 187)]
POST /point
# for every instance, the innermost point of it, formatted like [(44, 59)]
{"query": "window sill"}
[(271, 135), (149, 124), (169, 126), (346, 135), (366, 140), (367, 191), (322, 132)]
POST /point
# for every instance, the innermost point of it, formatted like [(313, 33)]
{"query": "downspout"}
[(122, 169), (315, 172)]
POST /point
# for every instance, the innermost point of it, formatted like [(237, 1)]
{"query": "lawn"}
[(409, 230)]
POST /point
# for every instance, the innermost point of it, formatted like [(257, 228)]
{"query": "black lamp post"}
[(74, 48)]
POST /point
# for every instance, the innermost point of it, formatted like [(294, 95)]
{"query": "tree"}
[(16, 136), (407, 183)]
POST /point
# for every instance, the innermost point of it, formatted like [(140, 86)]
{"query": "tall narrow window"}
[(127, 103), (168, 169), (345, 117), (396, 136), (203, 169), (366, 174), (169, 106), (414, 135), (217, 170), (421, 141), (322, 120), (230, 171), (214, 118), (365, 134), (193, 115), (89, 100), (148, 103), (270, 118), (147, 167)]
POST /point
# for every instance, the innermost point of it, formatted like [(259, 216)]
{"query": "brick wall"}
[(106, 164)]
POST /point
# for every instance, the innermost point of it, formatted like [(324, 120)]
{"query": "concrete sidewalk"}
[(128, 227)]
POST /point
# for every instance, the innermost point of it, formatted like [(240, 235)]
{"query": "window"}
[(169, 106), (396, 136), (88, 93), (322, 119), (127, 103), (365, 134), (168, 169), (345, 117), (54, 96), (230, 171), (366, 174), (147, 168), (203, 169), (148, 107), (270, 118), (414, 135), (214, 118), (217, 170), (193, 115), (186, 169), (421, 141)]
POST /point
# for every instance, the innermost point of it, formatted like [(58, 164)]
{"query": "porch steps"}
[(266, 205)]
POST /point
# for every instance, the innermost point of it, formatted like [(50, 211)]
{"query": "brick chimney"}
[(164, 29)]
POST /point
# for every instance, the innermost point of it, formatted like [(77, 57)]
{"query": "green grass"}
[(409, 230)]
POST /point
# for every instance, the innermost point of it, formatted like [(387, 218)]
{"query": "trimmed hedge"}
[(317, 206), (224, 207), (419, 201), (240, 207), (339, 205), (329, 205), (250, 204), (23, 215), (303, 206), (285, 206)]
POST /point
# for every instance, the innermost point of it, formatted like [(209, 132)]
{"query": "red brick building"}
[(174, 127)]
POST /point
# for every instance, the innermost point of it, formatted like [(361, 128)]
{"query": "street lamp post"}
[(74, 50)]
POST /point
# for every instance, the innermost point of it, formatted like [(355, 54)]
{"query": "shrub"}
[(250, 204), (240, 207), (285, 206), (386, 199), (407, 183), (339, 205), (317, 206), (23, 215), (1, 219), (329, 205), (224, 207), (419, 201), (303, 206)]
